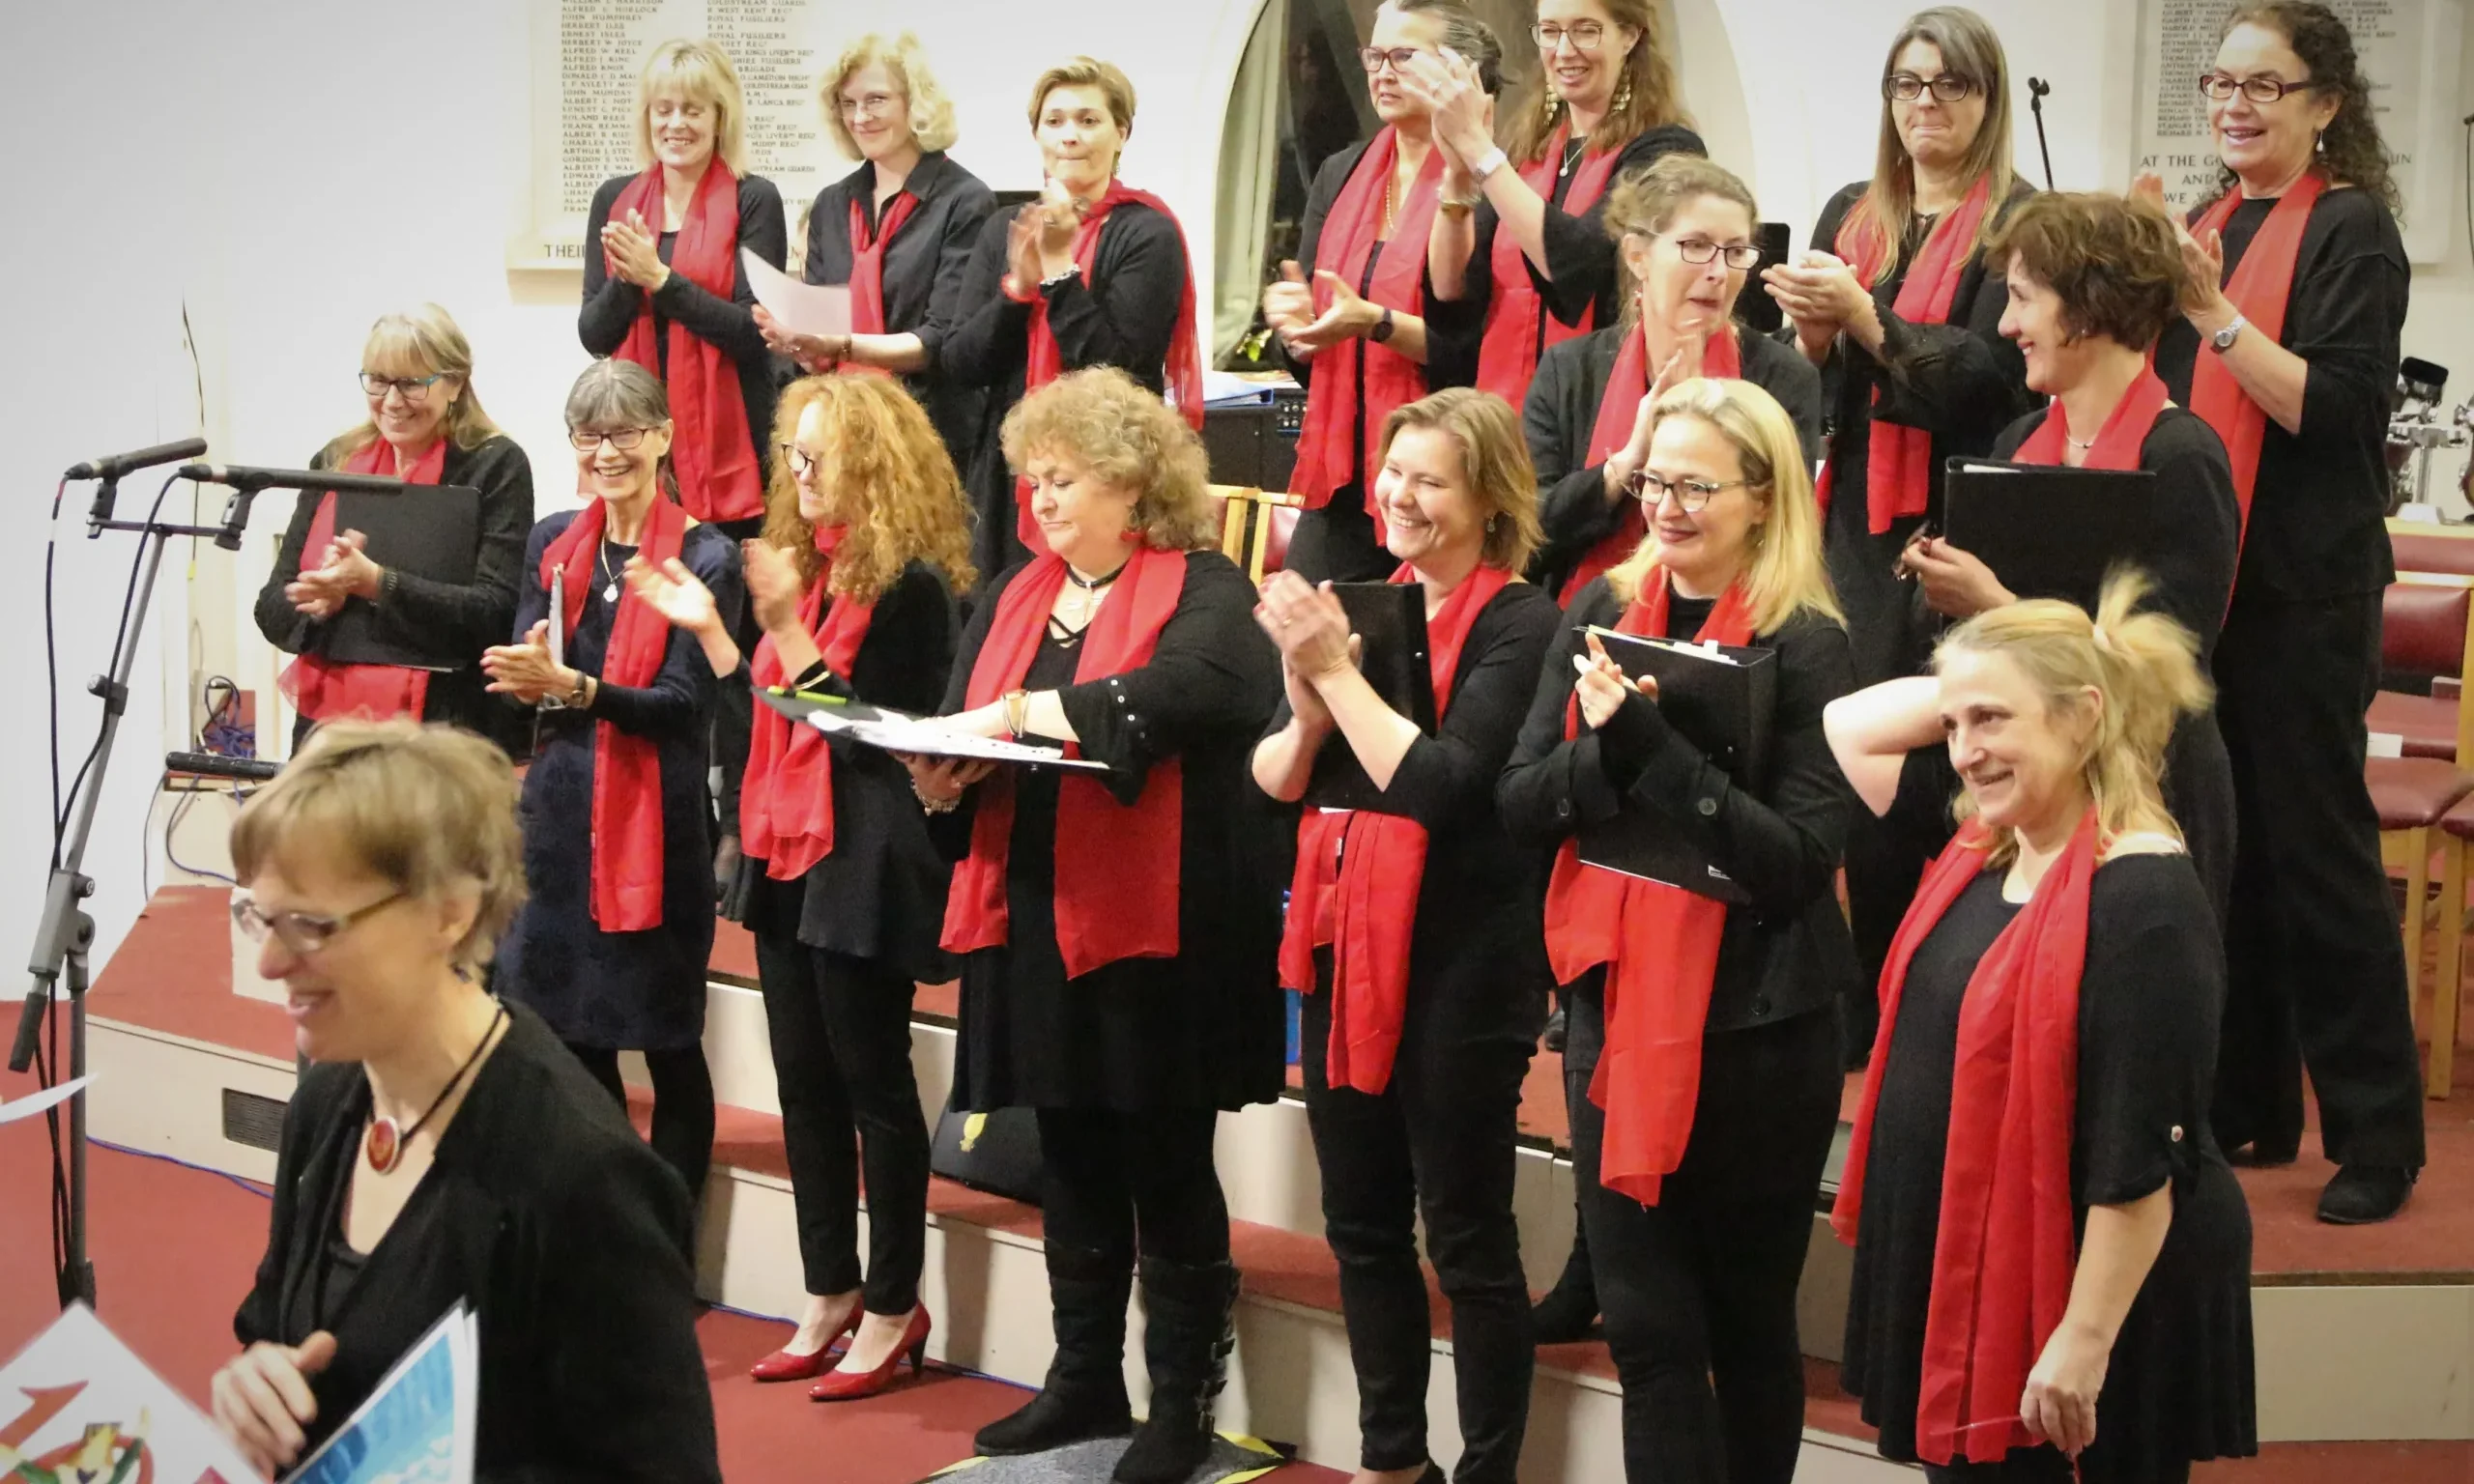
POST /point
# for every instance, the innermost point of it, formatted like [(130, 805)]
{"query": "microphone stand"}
[(65, 932), (2037, 88)]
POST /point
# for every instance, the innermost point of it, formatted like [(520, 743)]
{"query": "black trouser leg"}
[(683, 1131), (2312, 949), (1338, 544), (603, 1064)]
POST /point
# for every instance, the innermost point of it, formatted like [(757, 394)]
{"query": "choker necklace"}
[(386, 1144), (1092, 584)]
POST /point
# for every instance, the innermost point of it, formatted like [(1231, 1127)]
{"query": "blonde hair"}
[(1087, 73), (1104, 420), (428, 810), (1969, 50), (1494, 464), (424, 341), (931, 112), (701, 71), (2142, 666), (1786, 573), (885, 463), (1648, 90), (1645, 202)]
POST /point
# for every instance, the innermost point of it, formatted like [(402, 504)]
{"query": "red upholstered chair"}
[(2422, 547), (2429, 628), (1255, 526), (2457, 841), (2423, 630)]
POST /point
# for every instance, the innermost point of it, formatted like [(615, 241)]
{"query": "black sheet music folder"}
[(1390, 621)]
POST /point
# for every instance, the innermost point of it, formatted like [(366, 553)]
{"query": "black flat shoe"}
[(1557, 1027), (2364, 1193)]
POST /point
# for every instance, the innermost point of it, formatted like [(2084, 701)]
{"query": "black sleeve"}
[(2147, 1028), (909, 648), (1920, 816), (681, 695), (1580, 257), (1781, 841), (1213, 673), (475, 613), (611, 303), (1553, 786), (2346, 321), (949, 301), (1824, 239), (1329, 178), (285, 626), (1962, 380), (1795, 384), (986, 338), (2193, 566), (531, 594), (1456, 328), (730, 323), (1452, 773), (1124, 316), (1573, 507), (261, 1312)]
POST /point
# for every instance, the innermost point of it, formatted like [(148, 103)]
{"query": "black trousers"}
[(841, 1034), (682, 1132), (1439, 1142), (2040, 1465), (1338, 543), (1699, 1291), (1122, 1183), (2315, 974), (1882, 873)]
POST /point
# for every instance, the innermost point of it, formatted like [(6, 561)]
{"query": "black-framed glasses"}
[(1691, 496), (1372, 58), (2264, 89), (589, 441), (1584, 35), (414, 387), (305, 933), (1946, 87), (802, 462), (1700, 250)]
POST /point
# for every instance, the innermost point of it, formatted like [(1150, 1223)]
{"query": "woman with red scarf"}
[(1350, 310), (1701, 1064), (897, 232), (615, 934), (1898, 305), (1412, 931), (853, 586), (1093, 273), (2052, 1260), (1118, 930), (425, 426), (2288, 348)]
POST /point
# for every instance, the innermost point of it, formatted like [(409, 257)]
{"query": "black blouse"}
[(1560, 415), (557, 1225), (1788, 952), (2319, 513)]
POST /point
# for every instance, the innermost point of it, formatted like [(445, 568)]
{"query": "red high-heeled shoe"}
[(784, 1365), (841, 1385)]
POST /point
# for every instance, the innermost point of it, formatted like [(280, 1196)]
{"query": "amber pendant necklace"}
[(386, 1142)]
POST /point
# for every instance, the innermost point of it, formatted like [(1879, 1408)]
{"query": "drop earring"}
[(1624, 93), (2319, 143)]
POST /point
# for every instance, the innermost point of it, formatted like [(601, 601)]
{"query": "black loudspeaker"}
[(998, 1153), (1255, 446)]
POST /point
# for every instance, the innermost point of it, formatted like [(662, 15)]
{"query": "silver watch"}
[(2223, 338)]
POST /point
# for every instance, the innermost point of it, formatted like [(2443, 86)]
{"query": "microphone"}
[(120, 464), (241, 476), (256, 770)]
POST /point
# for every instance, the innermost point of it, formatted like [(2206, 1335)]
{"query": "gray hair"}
[(613, 393), (1464, 33)]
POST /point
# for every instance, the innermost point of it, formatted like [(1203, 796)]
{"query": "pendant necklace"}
[(386, 1143), (610, 591)]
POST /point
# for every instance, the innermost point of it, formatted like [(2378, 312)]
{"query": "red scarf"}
[(786, 808), (1334, 414), (1661, 946), (1118, 866), (868, 263), (718, 478), (1357, 877), (2125, 431), (1047, 358), (1508, 357), (2007, 1247), (626, 769), (2260, 288), (323, 689), (1619, 405), (1898, 466)]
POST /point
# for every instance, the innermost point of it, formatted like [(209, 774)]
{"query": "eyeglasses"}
[(1584, 35), (1698, 251), (1945, 87), (305, 933), (587, 441), (1690, 495), (414, 387), (802, 462), (871, 106), (1372, 58), (2222, 86)]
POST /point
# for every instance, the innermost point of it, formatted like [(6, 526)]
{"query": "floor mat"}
[(1231, 1460)]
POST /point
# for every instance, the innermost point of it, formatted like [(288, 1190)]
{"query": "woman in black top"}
[(426, 426), (1898, 306), (2029, 1294), (613, 944), (2092, 280), (1697, 1214), (1413, 928), (2300, 354), (446, 1149), (1119, 929), (853, 586), (898, 231)]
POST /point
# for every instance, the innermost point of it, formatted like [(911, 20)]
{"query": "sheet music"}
[(801, 308), (930, 737)]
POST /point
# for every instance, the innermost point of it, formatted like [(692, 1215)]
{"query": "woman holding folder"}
[(1413, 930), (854, 584), (1702, 1064)]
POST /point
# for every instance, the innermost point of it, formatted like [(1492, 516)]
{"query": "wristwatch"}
[(1489, 163), (1381, 329), (2223, 338)]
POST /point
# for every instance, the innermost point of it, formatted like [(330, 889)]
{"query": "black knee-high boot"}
[(1084, 1396), (1186, 1341)]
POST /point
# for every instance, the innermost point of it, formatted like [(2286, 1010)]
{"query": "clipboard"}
[(2047, 531), (432, 532), (1390, 621), (899, 732)]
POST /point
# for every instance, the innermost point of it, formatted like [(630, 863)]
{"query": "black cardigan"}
[(554, 1221), (1560, 415), (611, 304), (440, 618), (1787, 953)]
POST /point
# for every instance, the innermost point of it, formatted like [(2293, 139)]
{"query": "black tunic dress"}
[(2179, 1386), (642, 991), (1204, 1029)]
